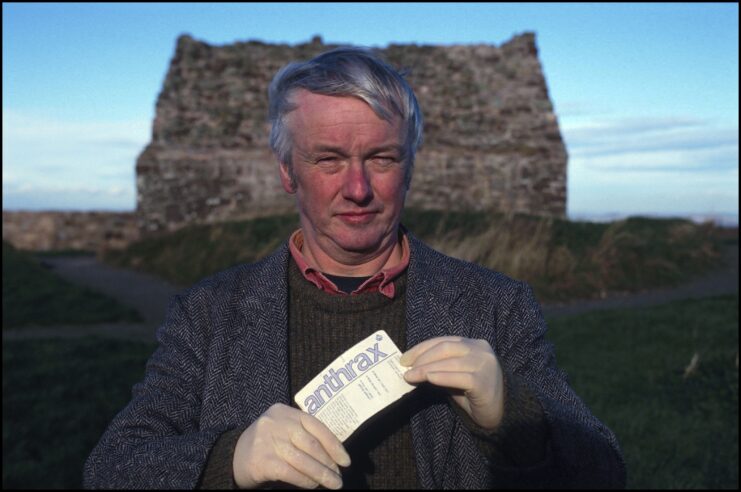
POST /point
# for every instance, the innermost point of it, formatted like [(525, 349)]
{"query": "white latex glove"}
[(288, 445), (468, 367)]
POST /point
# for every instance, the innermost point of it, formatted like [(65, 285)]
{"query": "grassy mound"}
[(564, 260), (561, 259), (194, 252)]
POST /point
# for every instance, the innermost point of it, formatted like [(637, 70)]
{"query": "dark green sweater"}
[(321, 327)]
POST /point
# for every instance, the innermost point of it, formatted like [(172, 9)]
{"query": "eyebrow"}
[(373, 150), (386, 148), (327, 148)]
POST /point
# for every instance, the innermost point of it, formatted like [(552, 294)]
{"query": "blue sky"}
[(646, 94)]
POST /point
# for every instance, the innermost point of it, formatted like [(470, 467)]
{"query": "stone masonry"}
[(85, 231), (491, 137)]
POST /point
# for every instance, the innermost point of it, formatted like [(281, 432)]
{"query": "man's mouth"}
[(355, 218)]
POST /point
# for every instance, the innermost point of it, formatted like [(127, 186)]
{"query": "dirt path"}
[(146, 293), (150, 295)]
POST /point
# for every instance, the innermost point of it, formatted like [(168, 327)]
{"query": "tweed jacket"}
[(222, 361)]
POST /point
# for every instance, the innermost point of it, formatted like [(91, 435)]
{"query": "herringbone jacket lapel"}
[(263, 308), (432, 298)]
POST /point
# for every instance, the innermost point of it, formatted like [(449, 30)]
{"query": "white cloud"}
[(29, 196), (18, 124), (670, 160), (48, 161), (656, 191), (671, 144), (665, 165)]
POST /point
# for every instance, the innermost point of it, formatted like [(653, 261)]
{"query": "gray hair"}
[(345, 71)]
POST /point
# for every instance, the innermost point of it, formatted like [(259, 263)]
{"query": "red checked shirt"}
[(382, 281)]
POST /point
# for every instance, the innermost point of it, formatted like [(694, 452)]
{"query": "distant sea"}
[(720, 219)]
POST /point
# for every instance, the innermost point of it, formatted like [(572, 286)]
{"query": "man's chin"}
[(368, 241), (359, 245), (360, 248)]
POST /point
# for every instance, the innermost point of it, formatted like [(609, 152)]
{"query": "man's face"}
[(349, 170)]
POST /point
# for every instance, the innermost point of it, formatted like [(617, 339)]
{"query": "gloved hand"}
[(469, 367), (288, 445)]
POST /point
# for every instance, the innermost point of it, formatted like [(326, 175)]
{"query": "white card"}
[(358, 384)]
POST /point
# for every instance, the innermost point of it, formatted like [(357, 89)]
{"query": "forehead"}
[(338, 117)]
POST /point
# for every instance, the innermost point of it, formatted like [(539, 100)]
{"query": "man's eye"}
[(385, 160)]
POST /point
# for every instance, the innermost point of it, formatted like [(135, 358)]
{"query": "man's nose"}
[(357, 185)]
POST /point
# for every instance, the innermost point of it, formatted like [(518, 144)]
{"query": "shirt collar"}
[(382, 282)]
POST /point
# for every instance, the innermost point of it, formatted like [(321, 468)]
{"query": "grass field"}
[(678, 427), (561, 259), (58, 397), (33, 295), (629, 366)]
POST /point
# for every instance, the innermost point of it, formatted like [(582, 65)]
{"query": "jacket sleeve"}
[(155, 441), (521, 439), (581, 452)]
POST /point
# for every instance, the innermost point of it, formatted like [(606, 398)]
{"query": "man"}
[(491, 408)]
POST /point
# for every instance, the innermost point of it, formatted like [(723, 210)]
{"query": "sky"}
[(646, 95)]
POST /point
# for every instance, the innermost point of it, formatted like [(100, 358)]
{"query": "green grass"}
[(629, 367), (59, 395), (32, 295), (62, 252), (564, 259), (561, 259), (192, 253), (675, 431)]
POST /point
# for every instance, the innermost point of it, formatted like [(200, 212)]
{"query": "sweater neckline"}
[(341, 303)]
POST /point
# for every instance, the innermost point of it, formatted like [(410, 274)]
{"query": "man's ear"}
[(285, 179)]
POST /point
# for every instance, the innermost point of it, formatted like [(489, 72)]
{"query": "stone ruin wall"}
[(491, 137), (82, 231)]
